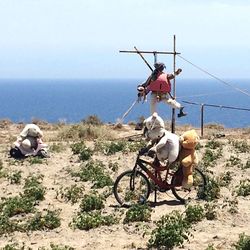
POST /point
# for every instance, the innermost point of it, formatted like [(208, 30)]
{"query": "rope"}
[(216, 106), (215, 77), (200, 95), (120, 120)]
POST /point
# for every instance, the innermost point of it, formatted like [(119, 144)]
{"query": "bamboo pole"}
[(202, 119), (149, 52), (174, 90)]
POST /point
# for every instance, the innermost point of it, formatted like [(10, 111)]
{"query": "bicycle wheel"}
[(197, 191), (131, 188)]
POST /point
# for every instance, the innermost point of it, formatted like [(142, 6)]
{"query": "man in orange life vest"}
[(159, 85)]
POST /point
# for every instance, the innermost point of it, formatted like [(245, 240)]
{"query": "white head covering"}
[(31, 130), (155, 126)]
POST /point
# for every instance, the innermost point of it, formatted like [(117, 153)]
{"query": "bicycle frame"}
[(156, 175)]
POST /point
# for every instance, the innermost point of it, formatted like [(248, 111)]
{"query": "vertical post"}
[(155, 57), (202, 118), (155, 189), (174, 90)]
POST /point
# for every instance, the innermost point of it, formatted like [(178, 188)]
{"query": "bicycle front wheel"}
[(197, 191), (131, 188)]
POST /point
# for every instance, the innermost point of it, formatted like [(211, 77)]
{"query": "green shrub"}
[(213, 144), (110, 148), (243, 189), (91, 202), (33, 188), (50, 220), (57, 247), (88, 220), (234, 161), (94, 171), (138, 213), (114, 166), (194, 214), (13, 246), (15, 177), (85, 131), (210, 156), (232, 205), (17, 205), (225, 179), (172, 230), (247, 165), (210, 211), (243, 243), (72, 193), (210, 247), (241, 146), (84, 152), (36, 160), (57, 147), (7, 225), (212, 191), (92, 120)]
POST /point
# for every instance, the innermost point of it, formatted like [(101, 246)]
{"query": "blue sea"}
[(73, 100)]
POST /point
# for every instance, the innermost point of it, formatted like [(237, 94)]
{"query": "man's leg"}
[(174, 104), (153, 101)]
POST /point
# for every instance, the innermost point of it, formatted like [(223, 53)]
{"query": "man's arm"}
[(177, 72)]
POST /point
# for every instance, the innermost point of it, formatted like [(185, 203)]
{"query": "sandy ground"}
[(222, 232)]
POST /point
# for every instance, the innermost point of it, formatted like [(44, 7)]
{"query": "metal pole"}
[(202, 118), (174, 91), (155, 57)]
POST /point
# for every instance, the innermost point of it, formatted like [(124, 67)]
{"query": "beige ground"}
[(221, 232)]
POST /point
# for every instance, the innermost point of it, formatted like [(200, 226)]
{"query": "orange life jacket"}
[(161, 84)]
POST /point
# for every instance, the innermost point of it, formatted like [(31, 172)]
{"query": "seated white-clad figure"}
[(29, 142), (163, 142)]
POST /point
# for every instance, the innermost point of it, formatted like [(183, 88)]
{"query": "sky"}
[(82, 38)]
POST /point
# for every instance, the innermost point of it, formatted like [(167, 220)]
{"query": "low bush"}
[(212, 191), (73, 193), (234, 161), (243, 189), (138, 213), (88, 220), (50, 221), (92, 120), (194, 213), (82, 150), (17, 205), (171, 231), (7, 225), (57, 148), (92, 202), (247, 165), (110, 148), (225, 179), (15, 177), (57, 247), (240, 146), (243, 243), (231, 205), (213, 144), (85, 131), (94, 171), (210, 211), (33, 188)]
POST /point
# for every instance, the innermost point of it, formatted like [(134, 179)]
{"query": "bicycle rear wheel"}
[(197, 191), (131, 188)]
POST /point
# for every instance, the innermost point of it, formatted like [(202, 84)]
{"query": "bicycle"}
[(133, 186)]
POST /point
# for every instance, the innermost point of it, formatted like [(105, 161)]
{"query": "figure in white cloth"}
[(164, 143), (29, 142)]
